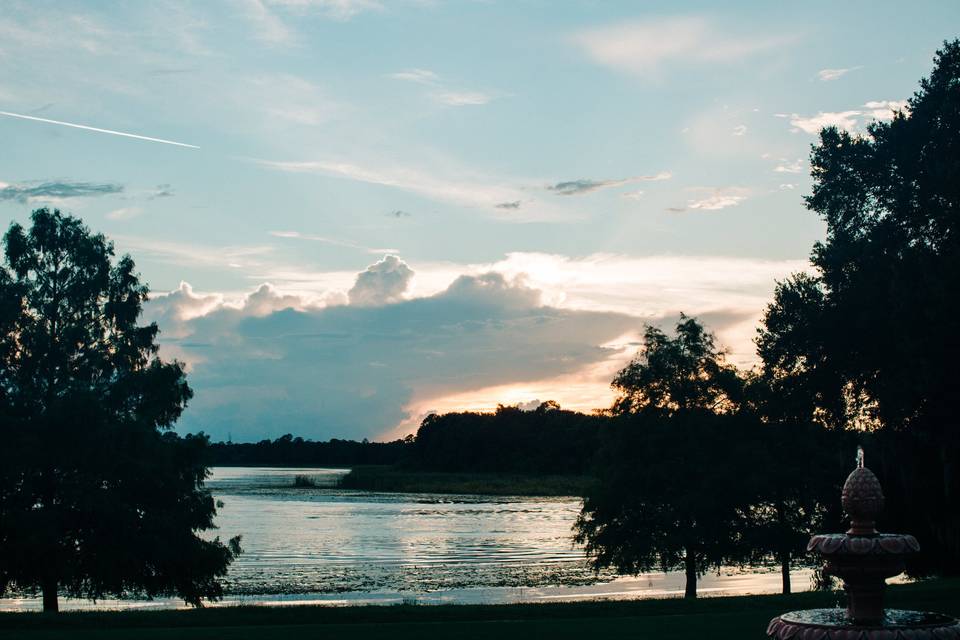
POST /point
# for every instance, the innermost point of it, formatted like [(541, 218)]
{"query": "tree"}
[(871, 337), (97, 494), (672, 491), (674, 375), (798, 478)]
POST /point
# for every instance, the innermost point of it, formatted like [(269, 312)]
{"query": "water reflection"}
[(309, 545)]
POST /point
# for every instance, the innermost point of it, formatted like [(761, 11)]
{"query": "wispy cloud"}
[(645, 47), (124, 213), (786, 166), (586, 185), (464, 188), (52, 191), (508, 205), (461, 98), (334, 9), (420, 76), (97, 129), (826, 75), (740, 130), (714, 199), (296, 235), (442, 94)]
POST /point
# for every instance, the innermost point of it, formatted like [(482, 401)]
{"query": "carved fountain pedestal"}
[(863, 559)]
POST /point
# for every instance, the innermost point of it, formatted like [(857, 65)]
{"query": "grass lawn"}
[(735, 617)]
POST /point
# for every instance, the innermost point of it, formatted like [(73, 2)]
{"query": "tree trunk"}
[(785, 572), (691, 565), (50, 602)]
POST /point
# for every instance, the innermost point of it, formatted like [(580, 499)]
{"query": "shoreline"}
[(391, 479), (731, 616)]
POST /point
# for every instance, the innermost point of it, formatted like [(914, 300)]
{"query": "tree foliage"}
[(97, 495), (870, 340), (675, 444), (674, 375)]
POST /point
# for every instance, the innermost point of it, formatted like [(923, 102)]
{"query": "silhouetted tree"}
[(674, 375), (97, 496), (870, 340), (673, 490)]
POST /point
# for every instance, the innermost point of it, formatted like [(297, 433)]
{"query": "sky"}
[(352, 213)]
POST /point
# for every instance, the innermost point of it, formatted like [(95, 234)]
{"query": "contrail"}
[(113, 133)]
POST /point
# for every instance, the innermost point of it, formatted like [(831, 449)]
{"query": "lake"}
[(326, 545)]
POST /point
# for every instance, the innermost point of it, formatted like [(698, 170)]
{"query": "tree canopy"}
[(870, 339), (97, 494)]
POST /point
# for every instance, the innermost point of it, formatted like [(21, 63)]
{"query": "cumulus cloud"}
[(383, 282), (351, 371), (645, 47), (56, 190), (849, 120), (271, 362), (586, 185)]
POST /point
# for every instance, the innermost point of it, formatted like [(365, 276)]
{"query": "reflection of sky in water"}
[(325, 539), (325, 545)]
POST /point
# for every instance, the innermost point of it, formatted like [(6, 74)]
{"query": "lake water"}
[(326, 545)]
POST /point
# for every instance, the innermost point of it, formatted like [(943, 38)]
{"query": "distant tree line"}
[(288, 451)]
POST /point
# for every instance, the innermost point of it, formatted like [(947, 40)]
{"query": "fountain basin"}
[(834, 624)]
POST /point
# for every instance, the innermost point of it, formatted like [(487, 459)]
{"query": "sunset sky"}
[(352, 213)]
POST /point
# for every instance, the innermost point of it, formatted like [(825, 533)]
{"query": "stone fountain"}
[(863, 559)]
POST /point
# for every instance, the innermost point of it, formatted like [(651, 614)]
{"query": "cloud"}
[(53, 191), (585, 185), (826, 75), (381, 283), (270, 28), (885, 109), (445, 184), (530, 326), (719, 198), (351, 371), (399, 213), (846, 120), (124, 213), (508, 205), (420, 76), (441, 94), (161, 191), (296, 235), (740, 130), (335, 9), (645, 47), (461, 98), (97, 130), (787, 166), (633, 195)]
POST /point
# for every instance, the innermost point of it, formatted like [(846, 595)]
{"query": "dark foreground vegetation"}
[(734, 617)]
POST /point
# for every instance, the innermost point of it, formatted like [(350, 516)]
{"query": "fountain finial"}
[(862, 499)]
